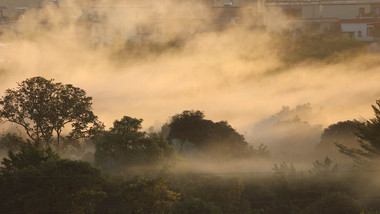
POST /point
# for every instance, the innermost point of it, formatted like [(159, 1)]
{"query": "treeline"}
[(131, 171)]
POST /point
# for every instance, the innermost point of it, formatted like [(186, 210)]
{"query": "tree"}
[(36, 180), (125, 145), (44, 108), (368, 134), (11, 141), (29, 155), (148, 196), (343, 133), (284, 170), (53, 186), (324, 167), (218, 140)]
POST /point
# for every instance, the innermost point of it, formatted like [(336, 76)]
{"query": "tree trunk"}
[(58, 139)]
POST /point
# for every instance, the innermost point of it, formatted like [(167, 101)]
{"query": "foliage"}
[(333, 203), (343, 133), (125, 145), (148, 196), (54, 186), (139, 195), (43, 107), (324, 167), (29, 155), (294, 192), (33, 179), (368, 134), (225, 193), (284, 170), (218, 140), (64, 186), (12, 142), (195, 206)]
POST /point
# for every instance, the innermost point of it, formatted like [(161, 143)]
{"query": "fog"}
[(233, 73)]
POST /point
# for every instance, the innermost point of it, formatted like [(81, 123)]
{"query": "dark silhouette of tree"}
[(284, 170), (28, 155), (53, 186), (36, 180), (324, 167), (125, 145), (368, 134), (12, 142), (218, 140), (342, 132), (44, 108)]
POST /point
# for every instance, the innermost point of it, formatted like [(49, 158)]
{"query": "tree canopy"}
[(53, 186), (342, 132), (28, 155), (218, 140), (44, 108), (368, 134), (125, 145)]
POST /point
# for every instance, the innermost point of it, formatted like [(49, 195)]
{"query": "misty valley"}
[(59, 158), (190, 107)]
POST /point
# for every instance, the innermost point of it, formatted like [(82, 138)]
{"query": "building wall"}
[(350, 11), (232, 3), (355, 28), (14, 7), (311, 11)]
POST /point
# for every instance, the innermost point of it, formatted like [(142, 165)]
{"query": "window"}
[(359, 33), (361, 11), (370, 30)]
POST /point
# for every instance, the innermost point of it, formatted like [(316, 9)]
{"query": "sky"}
[(234, 74)]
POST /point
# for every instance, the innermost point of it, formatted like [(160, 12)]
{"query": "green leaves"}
[(43, 108), (29, 155), (53, 186), (126, 146)]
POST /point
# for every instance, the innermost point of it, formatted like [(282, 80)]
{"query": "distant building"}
[(14, 9), (231, 12), (141, 21), (357, 19)]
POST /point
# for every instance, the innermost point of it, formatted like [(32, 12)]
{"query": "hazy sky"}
[(225, 74)]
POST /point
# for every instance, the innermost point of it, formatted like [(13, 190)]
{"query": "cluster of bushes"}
[(36, 180)]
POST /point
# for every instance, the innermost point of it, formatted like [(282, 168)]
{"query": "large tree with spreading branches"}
[(44, 108)]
